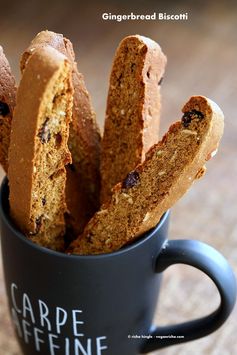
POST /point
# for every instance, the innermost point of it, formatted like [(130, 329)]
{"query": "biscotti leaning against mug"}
[(133, 109), (83, 176), (170, 168), (38, 148)]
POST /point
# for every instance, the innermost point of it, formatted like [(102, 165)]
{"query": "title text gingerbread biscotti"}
[(168, 171), (38, 149)]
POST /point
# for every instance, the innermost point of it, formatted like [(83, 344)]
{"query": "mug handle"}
[(213, 264)]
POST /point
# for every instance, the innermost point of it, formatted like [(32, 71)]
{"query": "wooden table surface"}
[(202, 59)]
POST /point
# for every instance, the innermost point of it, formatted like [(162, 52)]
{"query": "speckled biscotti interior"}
[(133, 109), (38, 150), (170, 168), (83, 176)]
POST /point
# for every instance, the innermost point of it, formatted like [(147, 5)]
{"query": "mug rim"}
[(10, 224)]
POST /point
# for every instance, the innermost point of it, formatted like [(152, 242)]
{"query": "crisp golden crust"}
[(170, 168), (7, 104), (38, 150), (133, 109), (83, 177)]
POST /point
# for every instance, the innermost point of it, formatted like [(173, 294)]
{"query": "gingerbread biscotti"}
[(83, 176), (133, 109), (38, 150), (168, 171), (7, 104)]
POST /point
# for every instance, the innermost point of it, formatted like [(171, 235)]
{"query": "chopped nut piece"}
[(187, 131), (173, 157), (130, 200), (116, 199), (141, 46), (147, 216), (159, 153), (212, 154), (125, 195), (102, 211)]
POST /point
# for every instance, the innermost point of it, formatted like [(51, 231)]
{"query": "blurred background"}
[(202, 59)]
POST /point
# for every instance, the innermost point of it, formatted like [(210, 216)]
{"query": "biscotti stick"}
[(133, 109), (153, 187), (38, 149), (83, 177), (7, 104)]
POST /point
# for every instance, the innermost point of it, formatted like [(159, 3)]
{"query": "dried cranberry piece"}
[(4, 109), (133, 66), (58, 139), (38, 224), (44, 132), (131, 180), (120, 79), (160, 81), (189, 116)]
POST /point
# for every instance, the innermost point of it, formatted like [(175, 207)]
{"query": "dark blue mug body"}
[(102, 304)]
